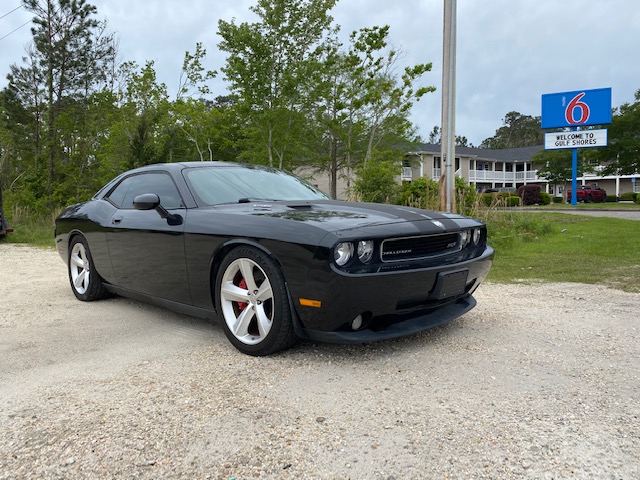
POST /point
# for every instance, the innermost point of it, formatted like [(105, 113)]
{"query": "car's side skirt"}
[(161, 302)]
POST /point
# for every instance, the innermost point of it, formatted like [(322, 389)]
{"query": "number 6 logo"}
[(573, 105)]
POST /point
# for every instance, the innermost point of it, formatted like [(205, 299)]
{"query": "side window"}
[(159, 183)]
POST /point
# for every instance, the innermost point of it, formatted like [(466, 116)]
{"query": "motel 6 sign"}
[(573, 110), (576, 109)]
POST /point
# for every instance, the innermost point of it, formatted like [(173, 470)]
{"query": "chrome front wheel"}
[(252, 301)]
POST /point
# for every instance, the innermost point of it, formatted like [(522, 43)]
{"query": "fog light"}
[(357, 322)]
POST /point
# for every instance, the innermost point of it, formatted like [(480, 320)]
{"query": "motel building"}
[(511, 167)]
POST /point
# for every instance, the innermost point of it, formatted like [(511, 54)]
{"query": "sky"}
[(509, 52)]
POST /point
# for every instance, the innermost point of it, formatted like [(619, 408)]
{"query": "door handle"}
[(116, 220)]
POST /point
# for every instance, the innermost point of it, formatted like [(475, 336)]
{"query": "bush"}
[(513, 201), (628, 196), (376, 181), (558, 200), (545, 198), (487, 199), (612, 198), (638, 198), (530, 194), (420, 193)]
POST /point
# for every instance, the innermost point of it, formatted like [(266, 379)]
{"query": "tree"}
[(555, 165), (517, 130), (622, 154), (71, 59), (362, 105), (461, 141), (268, 67), (72, 54)]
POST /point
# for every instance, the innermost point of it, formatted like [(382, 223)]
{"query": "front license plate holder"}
[(450, 284)]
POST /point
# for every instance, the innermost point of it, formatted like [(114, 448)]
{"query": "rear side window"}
[(159, 183)]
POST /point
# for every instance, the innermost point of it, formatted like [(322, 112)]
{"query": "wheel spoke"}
[(265, 292), (77, 261), (233, 293), (264, 322), (241, 325), (246, 268), (81, 280)]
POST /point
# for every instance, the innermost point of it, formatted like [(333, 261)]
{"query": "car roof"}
[(183, 165)]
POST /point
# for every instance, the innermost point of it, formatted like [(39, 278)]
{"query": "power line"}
[(25, 23), (17, 8)]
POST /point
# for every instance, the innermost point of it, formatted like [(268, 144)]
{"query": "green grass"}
[(573, 249), (30, 229)]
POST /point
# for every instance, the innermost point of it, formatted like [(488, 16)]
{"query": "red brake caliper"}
[(242, 305)]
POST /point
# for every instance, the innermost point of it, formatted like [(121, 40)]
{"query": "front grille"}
[(398, 249)]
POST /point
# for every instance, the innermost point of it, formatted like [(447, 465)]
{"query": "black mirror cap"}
[(146, 201)]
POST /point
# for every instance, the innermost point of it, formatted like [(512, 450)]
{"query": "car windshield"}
[(237, 184)]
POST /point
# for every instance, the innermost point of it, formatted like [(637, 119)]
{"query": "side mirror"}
[(151, 201), (148, 201)]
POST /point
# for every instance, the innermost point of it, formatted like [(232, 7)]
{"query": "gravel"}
[(539, 381)]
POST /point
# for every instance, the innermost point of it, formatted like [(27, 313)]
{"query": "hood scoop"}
[(301, 206)]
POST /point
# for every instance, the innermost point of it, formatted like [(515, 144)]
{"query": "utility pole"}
[(447, 131)]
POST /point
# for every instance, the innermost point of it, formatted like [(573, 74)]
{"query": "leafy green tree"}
[(622, 154), (362, 104), (143, 104), (517, 130), (71, 55), (555, 165), (269, 65)]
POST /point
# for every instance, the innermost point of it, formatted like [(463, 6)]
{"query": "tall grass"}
[(31, 228)]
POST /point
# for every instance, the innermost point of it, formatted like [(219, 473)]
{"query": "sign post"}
[(572, 110)]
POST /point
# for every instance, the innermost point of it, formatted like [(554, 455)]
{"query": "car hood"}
[(337, 216)]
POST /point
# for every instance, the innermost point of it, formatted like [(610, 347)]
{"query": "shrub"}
[(530, 194), (612, 198), (628, 196), (558, 200), (638, 198), (513, 201), (545, 198), (487, 199)]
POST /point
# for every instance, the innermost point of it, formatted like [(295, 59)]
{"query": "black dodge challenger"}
[(271, 255)]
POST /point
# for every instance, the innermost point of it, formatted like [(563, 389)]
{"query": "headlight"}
[(476, 236), (342, 253), (365, 250), (464, 238)]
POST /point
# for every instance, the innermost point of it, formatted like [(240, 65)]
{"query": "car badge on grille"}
[(438, 223)]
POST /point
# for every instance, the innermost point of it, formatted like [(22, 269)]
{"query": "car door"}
[(147, 252)]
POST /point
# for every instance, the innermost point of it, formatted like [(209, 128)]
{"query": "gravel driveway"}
[(539, 381)]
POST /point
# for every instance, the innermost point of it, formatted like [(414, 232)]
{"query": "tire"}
[(85, 282), (262, 323)]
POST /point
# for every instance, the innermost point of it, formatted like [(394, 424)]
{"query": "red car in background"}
[(588, 194)]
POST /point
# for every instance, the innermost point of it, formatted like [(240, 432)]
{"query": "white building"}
[(511, 167)]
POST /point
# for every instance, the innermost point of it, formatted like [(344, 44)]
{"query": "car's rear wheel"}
[(252, 302), (85, 281)]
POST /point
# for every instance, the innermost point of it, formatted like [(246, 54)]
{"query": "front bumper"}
[(392, 304), (400, 326)]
